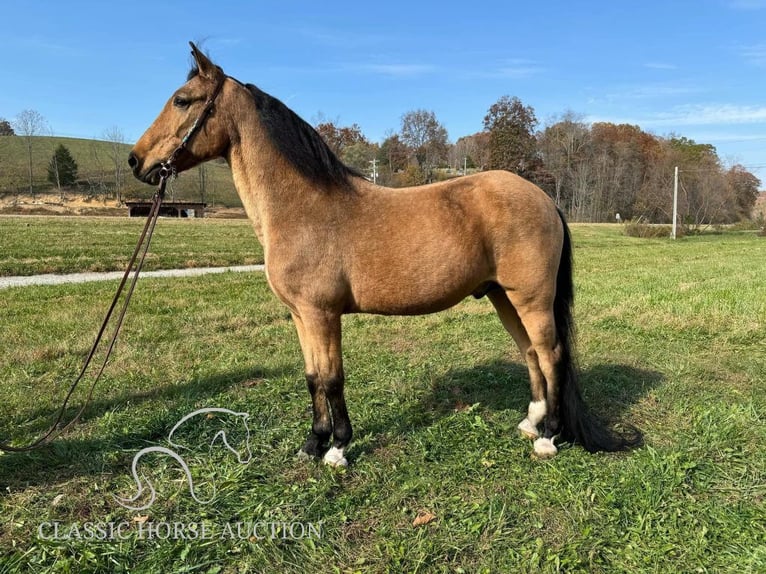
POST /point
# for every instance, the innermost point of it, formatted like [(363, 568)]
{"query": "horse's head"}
[(184, 131)]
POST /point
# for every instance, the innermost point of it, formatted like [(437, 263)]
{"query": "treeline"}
[(593, 171)]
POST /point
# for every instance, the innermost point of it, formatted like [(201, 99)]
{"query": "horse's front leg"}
[(320, 337)]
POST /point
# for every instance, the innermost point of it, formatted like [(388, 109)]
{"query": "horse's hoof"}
[(544, 448), (528, 430), (334, 457)]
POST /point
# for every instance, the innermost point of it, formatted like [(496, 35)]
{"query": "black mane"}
[(298, 142)]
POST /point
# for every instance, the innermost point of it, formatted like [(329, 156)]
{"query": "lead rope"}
[(167, 170), (142, 247)]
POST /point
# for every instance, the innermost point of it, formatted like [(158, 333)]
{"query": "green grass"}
[(34, 245), (670, 339), (94, 165)]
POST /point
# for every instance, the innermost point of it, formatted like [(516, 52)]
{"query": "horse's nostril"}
[(132, 160)]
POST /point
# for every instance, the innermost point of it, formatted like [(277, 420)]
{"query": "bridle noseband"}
[(167, 170)]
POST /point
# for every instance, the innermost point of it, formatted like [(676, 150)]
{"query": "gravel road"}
[(53, 279)]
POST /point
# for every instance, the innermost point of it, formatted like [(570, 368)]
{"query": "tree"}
[(62, 169), (117, 155), (339, 138), (512, 144), (392, 156), (624, 153), (29, 123), (470, 151), (745, 186), (426, 139), (203, 179), (360, 155), (6, 129), (564, 148)]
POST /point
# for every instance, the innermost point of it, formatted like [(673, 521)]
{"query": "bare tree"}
[(426, 138), (117, 155), (28, 124), (564, 147), (203, 179)]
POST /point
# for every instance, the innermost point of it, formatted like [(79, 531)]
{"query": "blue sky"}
[(694, 68)]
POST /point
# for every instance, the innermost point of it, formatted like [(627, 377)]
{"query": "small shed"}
[(167, 209)]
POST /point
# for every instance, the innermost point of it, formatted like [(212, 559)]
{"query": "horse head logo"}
[(144, 485)]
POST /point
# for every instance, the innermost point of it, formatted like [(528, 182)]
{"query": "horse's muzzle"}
[(151, 176)]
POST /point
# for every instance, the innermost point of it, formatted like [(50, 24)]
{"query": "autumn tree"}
[(470, 151), (621, 154), (392, 155), (744, 186), (339, 138), (512, 144)]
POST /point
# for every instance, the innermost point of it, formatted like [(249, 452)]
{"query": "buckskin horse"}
[(335, 243)]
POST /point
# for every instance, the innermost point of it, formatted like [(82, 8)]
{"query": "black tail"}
[(579, 425)]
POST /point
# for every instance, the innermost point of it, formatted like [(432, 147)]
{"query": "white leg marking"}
[(535, 414), (334, 457), (544, 448), (528, 429)]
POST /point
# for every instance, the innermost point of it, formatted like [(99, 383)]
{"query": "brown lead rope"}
[(142, 247)]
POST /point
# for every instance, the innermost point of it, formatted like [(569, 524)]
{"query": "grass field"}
[(34, 245), (671, 339)]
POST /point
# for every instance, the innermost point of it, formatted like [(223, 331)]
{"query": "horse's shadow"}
[(609, 390)]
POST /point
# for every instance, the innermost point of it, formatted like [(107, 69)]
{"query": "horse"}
[(335, 243)]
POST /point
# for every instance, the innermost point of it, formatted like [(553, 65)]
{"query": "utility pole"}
[(675, 204), (465, 165), (374, 163)]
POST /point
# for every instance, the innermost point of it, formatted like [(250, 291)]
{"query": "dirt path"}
[(53, 279)]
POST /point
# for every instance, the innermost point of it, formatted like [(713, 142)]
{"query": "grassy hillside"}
[(96, 171)]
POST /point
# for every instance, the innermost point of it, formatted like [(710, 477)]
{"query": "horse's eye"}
[(181, 102)]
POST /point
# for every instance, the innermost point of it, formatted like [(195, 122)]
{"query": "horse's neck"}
[(259, 176), (275, 196)]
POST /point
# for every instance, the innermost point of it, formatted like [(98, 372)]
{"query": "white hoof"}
[(544, 448), (334, 457), (528, 429)]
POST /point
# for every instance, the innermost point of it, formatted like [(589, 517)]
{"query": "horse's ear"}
[(207, 69)]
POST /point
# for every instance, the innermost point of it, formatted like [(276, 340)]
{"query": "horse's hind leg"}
[(320, 338), (510, 319), (540, 326)]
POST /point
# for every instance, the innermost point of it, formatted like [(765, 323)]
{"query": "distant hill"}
[(96, 175)]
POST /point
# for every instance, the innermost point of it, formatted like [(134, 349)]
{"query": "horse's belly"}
[(427, 292)]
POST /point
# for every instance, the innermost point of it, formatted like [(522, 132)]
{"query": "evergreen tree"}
[(62, 169), (6, 129)]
